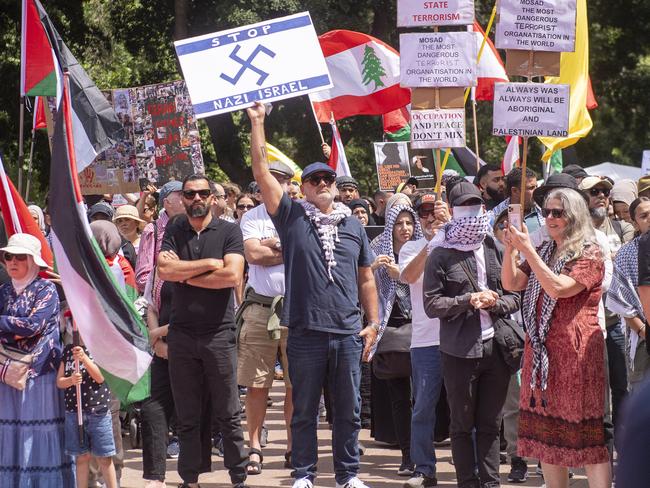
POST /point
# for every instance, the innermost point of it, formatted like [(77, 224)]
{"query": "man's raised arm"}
[(269, 186)]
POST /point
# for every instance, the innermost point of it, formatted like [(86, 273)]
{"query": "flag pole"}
[(21, 141), (523, 178), (478, 159), (320, 129), (29, 167), (76, 341)]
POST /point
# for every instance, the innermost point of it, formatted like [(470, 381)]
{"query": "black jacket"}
[(447, 291)]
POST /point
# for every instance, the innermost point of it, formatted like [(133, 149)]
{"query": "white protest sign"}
[(645, 162), (414, 13), (438, 128), (537, 25), (531, 109), (267, 61), (438, 59)]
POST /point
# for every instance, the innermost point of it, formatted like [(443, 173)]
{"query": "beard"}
[(496, 195), (598, 213), (197, 210)]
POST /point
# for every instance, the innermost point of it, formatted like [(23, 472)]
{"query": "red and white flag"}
[(511, 156), (490, 66), (365, 73), (40, 121), (338, 162)]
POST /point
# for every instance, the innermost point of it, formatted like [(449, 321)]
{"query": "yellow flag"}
[(574, 70), (274, 154)]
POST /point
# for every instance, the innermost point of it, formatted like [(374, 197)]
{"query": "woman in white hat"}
[(31, 420), (128, 222)]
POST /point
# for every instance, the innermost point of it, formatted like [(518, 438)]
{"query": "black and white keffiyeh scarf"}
[(391, 290), (537, 329), (327, 228), (463, 233)]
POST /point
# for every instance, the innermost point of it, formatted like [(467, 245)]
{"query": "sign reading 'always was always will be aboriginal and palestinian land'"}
[(438, 59), (438, 128), (415, 13), (531, 109), (537, 25), (268, 61)]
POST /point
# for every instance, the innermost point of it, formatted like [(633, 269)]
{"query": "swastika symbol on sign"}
[(247, 64)]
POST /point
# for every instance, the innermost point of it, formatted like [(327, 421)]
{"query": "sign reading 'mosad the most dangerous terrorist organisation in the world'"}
[(267, 61)]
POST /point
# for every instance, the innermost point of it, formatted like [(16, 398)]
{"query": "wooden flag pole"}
[(439, 170), (21, 141), (478, 158), (523, 178)]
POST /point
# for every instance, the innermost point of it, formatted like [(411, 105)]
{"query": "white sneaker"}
[(303, 483), (353, 483)]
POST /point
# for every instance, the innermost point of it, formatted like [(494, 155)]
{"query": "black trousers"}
[(476, 392), (399, 390), (203, 370)]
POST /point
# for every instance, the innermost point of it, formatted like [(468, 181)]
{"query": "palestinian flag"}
[(94, 122), (107, 320), (365, 73), (16, 215), (397, 124)]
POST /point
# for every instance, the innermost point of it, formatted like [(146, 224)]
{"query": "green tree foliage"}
[(125, 43)]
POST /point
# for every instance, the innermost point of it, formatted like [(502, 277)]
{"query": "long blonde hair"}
[(579, 231)]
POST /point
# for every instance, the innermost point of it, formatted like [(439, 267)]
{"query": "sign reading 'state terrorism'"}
[(537, 25), (414, 13), (267, 61), (531, 109)]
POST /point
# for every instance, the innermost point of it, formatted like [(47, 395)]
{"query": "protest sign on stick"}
[(437, 128), (438, 59), (268, 61), (392, 164), (531, 109), (537, 25), (416, 13)]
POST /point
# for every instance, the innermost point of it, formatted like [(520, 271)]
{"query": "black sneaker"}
[(217, 445), (419, 480), (407, 468), (518, 471), (185, 485)]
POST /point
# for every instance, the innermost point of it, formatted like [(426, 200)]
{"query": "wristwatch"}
[(374, 325), (277, 246)]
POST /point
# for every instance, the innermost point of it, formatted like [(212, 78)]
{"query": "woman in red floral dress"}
[(563, 378)]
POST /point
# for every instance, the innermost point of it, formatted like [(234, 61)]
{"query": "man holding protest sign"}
[(327, 273)]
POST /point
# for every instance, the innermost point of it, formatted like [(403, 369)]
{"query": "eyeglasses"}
[(594, 192), (424, 213), (219, 196), (557, 213), (327, 178), (190, 194), (19, 257), (245, 207)]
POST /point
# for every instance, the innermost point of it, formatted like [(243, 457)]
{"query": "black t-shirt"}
[(194, 309), (95, 397), (644, 260)]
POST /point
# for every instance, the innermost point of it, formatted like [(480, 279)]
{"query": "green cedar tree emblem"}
[(372, 68)]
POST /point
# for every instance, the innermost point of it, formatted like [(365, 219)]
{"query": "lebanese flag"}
[(16, 215), (109, 324), (490, 67), (338, 162), (511, 156), (365, 74)]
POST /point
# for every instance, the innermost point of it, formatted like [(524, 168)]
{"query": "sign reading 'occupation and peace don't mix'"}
[(531, 110), (267, 61), (438, 128), (537, 25), (438, 59), (414, 13)]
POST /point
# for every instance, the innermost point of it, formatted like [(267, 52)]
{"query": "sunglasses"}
[(557, 213), (502, 225), (424, 213), (190, 194), (245, 207), (594, 192), (19, 257), (327, 178)]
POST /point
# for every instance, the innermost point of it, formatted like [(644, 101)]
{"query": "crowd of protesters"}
[(421, 316)]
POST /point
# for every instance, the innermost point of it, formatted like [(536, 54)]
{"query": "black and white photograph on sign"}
[(422, 165), (531, 110), (537, 25), (392, 159), (437, 128), (416, 13), (434, 59)]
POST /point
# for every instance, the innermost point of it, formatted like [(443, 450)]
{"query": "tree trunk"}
[(230, 157), (181, 8)]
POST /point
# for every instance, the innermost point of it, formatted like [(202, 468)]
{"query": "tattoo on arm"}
[(263, 150)]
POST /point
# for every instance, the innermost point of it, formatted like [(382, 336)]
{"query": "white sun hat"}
[(24, 244)]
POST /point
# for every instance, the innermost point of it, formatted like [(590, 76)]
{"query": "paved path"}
[(378, 465)]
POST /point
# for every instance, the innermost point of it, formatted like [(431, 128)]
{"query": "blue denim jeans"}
[(427, 382), (316, 357)]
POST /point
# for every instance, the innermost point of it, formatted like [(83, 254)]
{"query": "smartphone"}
[(514, 215)]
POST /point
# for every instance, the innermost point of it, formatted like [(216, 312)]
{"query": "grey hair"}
[(579, 231)]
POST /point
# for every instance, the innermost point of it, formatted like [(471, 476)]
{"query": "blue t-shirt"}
[(312, 301)]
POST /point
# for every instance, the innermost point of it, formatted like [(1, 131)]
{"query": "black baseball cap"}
[(462, 192)]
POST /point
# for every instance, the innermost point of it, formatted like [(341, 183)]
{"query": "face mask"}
[(464, 212)]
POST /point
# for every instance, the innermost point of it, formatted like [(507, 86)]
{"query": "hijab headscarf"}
[(40, 217), (391, 290), (398, 198), (107, 236), (32, 274)]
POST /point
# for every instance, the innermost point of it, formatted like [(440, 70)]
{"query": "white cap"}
[(24, 244)]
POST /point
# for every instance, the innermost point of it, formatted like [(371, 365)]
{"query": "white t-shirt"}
[(487, 330), (265, 280), (426, 331)]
